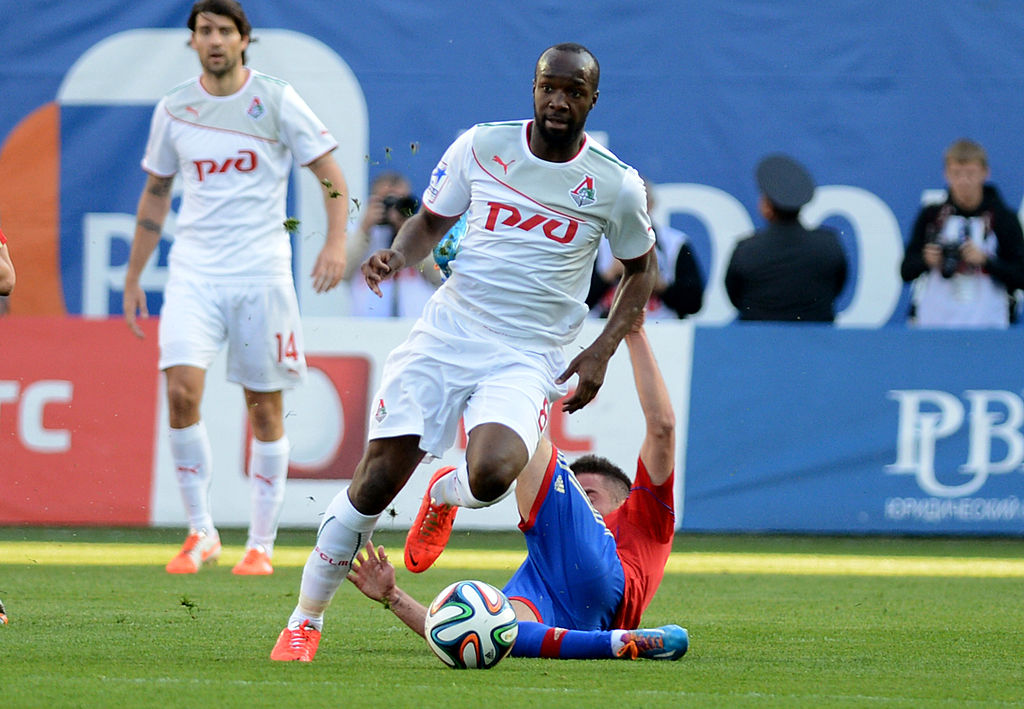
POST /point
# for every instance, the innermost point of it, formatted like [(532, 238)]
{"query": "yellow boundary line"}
[(83, 554)]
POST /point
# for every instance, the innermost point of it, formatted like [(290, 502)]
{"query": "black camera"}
[(950, 259), (407, 205)]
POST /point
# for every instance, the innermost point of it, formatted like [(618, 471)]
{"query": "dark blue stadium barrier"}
[(813, 429)]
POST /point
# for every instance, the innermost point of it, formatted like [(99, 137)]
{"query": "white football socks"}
[(342, 534), (193, 460), (268, 475), (453, 489)]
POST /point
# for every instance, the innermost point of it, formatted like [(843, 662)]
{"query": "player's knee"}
[(489, 479), (182, 400)]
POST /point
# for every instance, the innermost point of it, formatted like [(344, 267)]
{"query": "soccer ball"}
[(448, 247), (471, 624)]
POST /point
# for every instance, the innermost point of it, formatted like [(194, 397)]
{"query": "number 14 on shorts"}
[(286, 347)]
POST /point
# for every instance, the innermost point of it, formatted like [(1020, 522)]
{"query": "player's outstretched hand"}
[(590, 366), (379, 266), (134, 302), (372, 573), (329, 267)]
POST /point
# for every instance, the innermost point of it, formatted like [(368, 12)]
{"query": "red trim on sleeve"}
[(438, 214), (529, 604), (3, 239), (326, 152), (542, 493)]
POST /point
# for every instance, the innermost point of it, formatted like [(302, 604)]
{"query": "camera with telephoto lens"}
[(407, 205)]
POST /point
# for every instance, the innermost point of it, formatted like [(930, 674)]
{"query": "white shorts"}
[(259, 322), (446, 370)]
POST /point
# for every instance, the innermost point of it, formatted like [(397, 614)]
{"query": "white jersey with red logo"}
[(234, 154), (524, 265)]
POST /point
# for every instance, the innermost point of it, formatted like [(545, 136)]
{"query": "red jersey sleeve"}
[(643, 528)]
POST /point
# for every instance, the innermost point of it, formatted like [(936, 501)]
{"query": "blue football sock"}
[(539, 640)]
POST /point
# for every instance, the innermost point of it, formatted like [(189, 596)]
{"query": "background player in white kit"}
[(489, 346), (231, 134)]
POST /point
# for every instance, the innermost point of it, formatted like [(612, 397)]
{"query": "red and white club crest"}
[(584, 193)]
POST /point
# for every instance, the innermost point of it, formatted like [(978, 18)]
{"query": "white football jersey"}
[(234, 155), (524, 265)]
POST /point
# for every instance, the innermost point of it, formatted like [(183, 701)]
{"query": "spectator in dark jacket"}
[(785, 271), (965, 255)]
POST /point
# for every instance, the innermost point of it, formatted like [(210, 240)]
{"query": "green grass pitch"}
[(774, 621)]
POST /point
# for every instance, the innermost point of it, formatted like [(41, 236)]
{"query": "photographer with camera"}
[(966, 254), (390, 204)]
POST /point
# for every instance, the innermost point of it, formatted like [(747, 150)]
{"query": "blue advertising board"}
[(812, 429)]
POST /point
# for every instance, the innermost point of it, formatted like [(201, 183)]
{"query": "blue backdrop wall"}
[(693, 94)]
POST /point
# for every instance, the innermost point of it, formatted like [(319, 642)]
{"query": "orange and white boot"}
[(200, 547)]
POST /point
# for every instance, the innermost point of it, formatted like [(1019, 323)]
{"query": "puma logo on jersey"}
[(504, 165), (561, 230), (263, 479), (194, 469), (193, 111), (584, 193)]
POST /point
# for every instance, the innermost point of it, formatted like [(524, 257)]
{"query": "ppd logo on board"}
[(927, 417)]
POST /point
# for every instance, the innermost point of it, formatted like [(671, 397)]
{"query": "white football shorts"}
[(260, 324), (447, 369)]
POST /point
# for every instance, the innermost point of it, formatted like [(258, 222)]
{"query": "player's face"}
[(219, 43), (600, 493), (563, 94)]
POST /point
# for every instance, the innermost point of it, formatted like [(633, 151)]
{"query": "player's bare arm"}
[(154, 204), (658, 449), (414, 242), (330, 263), (374, 575), (590, 365)]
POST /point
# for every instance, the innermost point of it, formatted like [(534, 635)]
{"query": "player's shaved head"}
[(589, 65)]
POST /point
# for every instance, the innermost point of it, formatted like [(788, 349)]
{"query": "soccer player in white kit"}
[(489, 346), (231, 135)]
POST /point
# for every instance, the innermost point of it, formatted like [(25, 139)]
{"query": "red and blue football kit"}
[(585, 573)]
